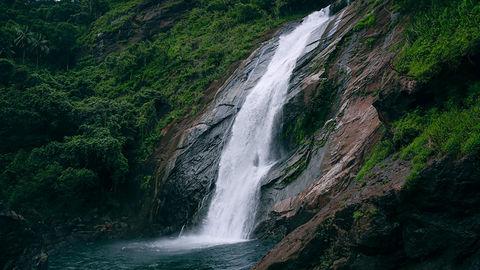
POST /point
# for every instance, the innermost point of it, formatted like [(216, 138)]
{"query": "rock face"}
[(343, 90), (21, 246), (432, 225), (325, 164), (336, 222), (28, 243)]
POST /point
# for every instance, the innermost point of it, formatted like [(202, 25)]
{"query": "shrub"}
[(451, 128), (406, 129)]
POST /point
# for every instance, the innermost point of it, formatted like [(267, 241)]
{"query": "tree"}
[(23, 39), (39, 45)]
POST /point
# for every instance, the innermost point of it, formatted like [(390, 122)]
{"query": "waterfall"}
[(247, 156)]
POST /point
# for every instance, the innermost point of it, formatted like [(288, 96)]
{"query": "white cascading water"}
[(246, 158)]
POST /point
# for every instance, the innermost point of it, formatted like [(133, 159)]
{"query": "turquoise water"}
[(150, 255)]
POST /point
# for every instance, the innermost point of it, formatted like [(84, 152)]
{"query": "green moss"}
[(146, 182), (370, 41), (439, 33), (296, 170), (378, 154), (367, 211), (357, 215), (366, 22), (297, 132), (312, 117)]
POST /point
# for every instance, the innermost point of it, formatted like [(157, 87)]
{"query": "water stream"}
[(247, 157), (222, 240)]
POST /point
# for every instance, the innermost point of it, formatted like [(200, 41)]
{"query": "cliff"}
[(344, 98), (391, 218)]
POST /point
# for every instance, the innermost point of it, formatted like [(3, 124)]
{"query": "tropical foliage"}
[(76, 124)]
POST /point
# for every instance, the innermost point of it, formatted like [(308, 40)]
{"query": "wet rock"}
[(388, 226), (319, 227), (41, 261), (302, 161), (348, 71), (185, 184), (15, 237)]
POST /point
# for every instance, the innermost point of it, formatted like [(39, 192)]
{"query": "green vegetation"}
[(367, 211), (112, 21), (370, 41), (454, 131), (440, 33), (76, 122), (294, 171), (379, 153), (450, 128), (312, 117), (286, 7), (366, 22)]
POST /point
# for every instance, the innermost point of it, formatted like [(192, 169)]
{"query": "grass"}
[(454, 132), (452, 129), (439, 35), (379, 153)]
